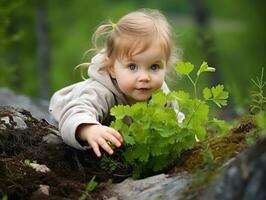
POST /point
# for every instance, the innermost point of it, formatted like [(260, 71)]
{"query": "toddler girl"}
[(130, 66)]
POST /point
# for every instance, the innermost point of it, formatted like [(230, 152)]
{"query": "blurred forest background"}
[(41, 42)]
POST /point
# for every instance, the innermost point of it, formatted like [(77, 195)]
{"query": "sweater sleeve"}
[(84, 102)]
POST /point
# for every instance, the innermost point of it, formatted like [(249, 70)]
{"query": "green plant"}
[(5, 197), (27, 163), (261, 119), (153, 138), (258, 100), (196, 109), (90, 187), (185, 68)]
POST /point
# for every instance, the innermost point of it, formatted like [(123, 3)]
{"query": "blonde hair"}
[(133, 34)]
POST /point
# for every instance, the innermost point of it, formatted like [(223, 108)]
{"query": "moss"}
[(206, 159)]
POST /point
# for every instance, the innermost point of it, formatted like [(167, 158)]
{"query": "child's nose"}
[(144, 76)]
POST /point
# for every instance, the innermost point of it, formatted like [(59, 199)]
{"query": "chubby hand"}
[(99, 136)]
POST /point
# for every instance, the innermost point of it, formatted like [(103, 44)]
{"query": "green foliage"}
[(90, 187), (258, 100), (217, 95), (187, 68), (196, 109), (5, 197), (153, 137), (261, 119), (207, 155), (27, 163), (220, 125), (254, 135)]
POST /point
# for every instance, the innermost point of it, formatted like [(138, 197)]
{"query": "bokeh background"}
[(41, 42)]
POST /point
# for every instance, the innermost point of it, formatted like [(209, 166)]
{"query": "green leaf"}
[(261, 119), (91, 185), (219, 95), (221, 125), (181, 97), (129, 139), (137, 109), (200, 133), (120, 111), (158, 99), (27, 162), (144, 154), (184, 68), (207, 94), (140, 153), (140, 135), (205, 68)]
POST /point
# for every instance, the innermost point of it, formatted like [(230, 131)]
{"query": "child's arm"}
[(82, 103), (99, 136)]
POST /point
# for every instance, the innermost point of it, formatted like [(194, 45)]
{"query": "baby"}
[(131, 65)]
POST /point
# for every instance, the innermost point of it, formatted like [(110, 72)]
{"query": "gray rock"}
[(161, 186), (52, 139), (19, 122), (244, 178), (37, 107)]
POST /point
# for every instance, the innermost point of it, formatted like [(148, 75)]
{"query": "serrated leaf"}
[(137, 110), (222, 126), (219, 95), (205, 68), (181, 97), (158, 98), (128, 139), (207, 94), (140, 135), (120, 111), (184, 68), (140, 153), (163, 129), (199, 111)]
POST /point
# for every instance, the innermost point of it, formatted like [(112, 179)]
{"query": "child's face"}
[(139, 76)]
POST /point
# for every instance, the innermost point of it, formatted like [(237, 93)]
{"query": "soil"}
[(71, 170)]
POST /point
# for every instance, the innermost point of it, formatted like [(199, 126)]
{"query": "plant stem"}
[(194, 85), (194, 111)]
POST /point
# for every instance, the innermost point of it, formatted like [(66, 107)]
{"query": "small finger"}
[(105, 146), (115, 134), (112, 139), (96, 149)]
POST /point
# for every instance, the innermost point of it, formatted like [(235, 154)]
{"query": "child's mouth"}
[(143, 89)]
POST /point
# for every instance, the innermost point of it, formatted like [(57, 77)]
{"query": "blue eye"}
[(132, 66), (155, 67)]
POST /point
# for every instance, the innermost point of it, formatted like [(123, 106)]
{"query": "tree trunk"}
[(43, 54), (202, 18)]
